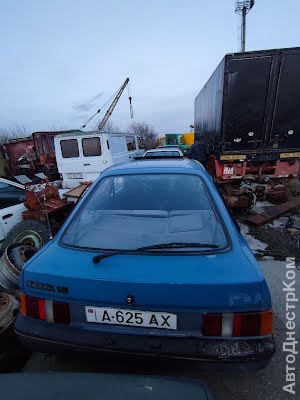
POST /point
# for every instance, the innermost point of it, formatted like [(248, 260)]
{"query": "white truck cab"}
[(82, 156)]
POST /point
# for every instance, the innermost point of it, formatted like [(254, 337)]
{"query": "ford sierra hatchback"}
[(150, 263)]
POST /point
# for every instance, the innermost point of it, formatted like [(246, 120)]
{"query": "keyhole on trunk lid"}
[(130, 299)]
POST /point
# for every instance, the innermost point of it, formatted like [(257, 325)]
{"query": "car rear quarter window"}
[(69, 148)]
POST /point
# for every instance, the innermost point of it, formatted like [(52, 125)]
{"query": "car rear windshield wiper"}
[(175, 245)]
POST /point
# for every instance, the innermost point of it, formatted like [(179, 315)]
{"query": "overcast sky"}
[(62, 59)]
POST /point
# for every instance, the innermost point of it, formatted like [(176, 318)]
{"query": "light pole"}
[(242, 8)]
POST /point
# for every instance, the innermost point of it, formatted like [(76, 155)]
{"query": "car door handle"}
[(7, 216), (86, 165)]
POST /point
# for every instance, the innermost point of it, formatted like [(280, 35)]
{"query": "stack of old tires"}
[(12, 355)]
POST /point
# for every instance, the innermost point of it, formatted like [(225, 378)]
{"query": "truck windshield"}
[(127, 212)]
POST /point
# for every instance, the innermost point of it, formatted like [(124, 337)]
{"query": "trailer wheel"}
[(29, 232)]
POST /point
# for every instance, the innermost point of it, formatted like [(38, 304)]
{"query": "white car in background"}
[(12, 197), (167, 146), (164, 152), (13, 229)]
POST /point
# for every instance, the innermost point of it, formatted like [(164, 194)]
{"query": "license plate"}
[(230, 157), (288, 155), (79, 175), (148, 319), (228, 171)]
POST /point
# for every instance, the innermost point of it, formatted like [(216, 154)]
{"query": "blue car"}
[(150, 263)]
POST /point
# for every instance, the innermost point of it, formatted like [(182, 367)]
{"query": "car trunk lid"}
[(221, 282)]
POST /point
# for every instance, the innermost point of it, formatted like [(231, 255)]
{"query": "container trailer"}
[(248, 115)]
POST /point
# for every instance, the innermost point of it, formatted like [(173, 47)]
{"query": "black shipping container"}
[(251, 104)]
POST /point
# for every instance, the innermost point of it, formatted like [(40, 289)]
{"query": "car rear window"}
[(162, 154), (130, 211)]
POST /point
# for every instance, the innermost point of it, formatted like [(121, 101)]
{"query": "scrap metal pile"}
[(253, 189), (45, 206)]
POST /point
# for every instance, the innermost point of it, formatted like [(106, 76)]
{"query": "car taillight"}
[(61, 312), (212, 324), (253, 324), (238, 324), (30, 306), (46, 310)]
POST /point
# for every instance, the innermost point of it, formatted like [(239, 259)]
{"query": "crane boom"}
[(113, 105)]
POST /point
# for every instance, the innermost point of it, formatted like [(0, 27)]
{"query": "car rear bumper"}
[(52, 338)]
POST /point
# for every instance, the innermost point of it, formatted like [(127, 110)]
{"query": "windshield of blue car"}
[(131, 211), (162, 154)]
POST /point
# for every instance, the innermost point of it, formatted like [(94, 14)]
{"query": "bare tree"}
[(146, 132), (55, 128), (110, 126), (15, 131)]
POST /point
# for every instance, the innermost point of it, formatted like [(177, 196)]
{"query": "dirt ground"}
[(278, 239), (280, 243)]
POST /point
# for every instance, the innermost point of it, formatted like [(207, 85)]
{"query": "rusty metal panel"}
[(17, 148), (40, 215), (277, 195), (272, 213)]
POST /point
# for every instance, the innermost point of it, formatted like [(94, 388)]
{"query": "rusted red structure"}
[(21, 155), (32, 154), (45, 153), (238, 169), (272, 213), (44, 204)]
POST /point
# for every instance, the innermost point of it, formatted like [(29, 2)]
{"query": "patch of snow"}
[(296, 221), (267, 258), (282, 222), (255, 245), (260, 206), (279, 222)]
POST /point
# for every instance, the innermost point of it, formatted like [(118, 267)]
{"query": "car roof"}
[(163, 149), (167, 146), (184, 164), (90, 133)]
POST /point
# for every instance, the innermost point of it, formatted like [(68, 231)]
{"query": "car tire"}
[(29, 232)]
